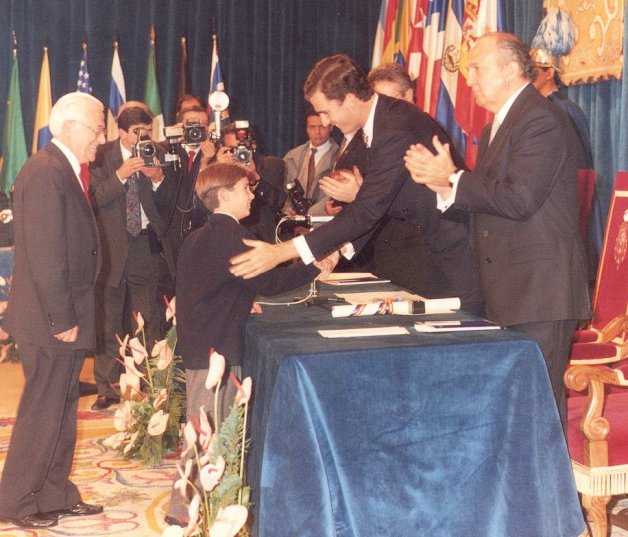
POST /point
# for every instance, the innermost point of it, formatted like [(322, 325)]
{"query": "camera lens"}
[(195, 134), (147, 149)]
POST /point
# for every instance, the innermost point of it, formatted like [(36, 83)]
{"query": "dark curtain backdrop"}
[(266, 49)]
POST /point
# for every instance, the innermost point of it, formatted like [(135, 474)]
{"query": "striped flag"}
[(448, 90), (13, 140), (41, 132), (117, 94), (83, 83), (480, 17), (216, 82), (151, 93), (432, 39), (428, 82)]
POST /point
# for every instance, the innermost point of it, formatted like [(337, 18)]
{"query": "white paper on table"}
[(366, 298), (353, 278), (364, 332)]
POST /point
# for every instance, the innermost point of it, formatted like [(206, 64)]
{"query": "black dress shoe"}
[(103, 403), (171, 521), (78, 509), (36, 521)]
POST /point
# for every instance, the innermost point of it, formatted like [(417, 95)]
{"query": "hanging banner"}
[(598, 53)]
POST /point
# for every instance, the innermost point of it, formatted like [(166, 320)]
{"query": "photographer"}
[(175, 199), (306, 164), (124, 176), (264, 172)]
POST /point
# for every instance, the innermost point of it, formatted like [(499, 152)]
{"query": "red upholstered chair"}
[(597, 436), (604, 341)]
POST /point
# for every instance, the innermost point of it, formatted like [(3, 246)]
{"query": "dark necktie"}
[(191, 156), (84, 175), (133, 212), (341, 150), (311, 173)]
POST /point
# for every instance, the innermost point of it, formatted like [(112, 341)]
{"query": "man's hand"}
[(261, 258), (429, 169), (256, 308), (208, 150), (327, 265), (224, 156), (344, 186), (331, 208), (129, 167), (69, 336), (155, 173)]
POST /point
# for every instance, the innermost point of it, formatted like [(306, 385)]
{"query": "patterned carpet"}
[(135, 498)]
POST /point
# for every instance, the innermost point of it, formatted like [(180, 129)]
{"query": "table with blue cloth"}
[(447, 434)]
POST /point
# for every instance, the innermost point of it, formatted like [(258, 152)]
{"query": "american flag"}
[(83, 83)]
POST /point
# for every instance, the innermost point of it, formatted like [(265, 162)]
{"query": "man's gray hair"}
[(71, 107)]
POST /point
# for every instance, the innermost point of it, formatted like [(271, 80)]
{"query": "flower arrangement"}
[(152, 397), (219, 505)]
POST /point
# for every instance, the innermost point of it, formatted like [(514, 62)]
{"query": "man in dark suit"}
[(397, 248), (340, 91), (130, 228), (523, 197), (51, 314), (180, 211)]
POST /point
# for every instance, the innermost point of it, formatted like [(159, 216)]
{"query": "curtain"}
[(266, 49), (606, 106)]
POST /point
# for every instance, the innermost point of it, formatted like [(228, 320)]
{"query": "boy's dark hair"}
[(213, 178), (133, 116), (335, 76)]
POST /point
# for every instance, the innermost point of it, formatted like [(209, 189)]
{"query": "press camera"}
[(296, 194), (243, 152), (145, 148)]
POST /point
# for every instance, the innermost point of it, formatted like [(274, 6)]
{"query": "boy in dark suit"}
[(213, 304)]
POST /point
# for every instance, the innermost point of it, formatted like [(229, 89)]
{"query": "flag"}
[(448, 90), (384, 49), (216, 82), (432, 39), (379, 45), (83, 83), (117, 94), (184, 82), (13, 140), (480, 17), (151, 93), (41, 132)]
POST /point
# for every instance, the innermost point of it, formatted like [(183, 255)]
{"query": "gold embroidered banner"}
[(598, 53)]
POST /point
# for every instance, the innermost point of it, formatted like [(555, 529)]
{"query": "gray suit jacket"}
[(523, 196), (297, 158), (108, 197), (57, 254)]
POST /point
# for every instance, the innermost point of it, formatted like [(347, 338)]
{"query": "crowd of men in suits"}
[(498, 236)]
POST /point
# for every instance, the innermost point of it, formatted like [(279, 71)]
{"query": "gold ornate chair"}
[(597, 436)]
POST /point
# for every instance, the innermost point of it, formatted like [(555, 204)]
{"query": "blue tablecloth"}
[(420, 434)]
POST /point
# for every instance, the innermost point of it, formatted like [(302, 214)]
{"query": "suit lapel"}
[(487, 153)]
